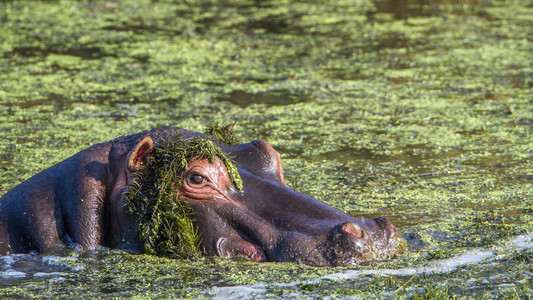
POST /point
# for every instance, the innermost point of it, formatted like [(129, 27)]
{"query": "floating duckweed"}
[(166, 222), (223, 134)]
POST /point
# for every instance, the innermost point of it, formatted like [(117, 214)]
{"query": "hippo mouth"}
[(228, 248)]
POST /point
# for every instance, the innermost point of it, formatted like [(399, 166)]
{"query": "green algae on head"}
[(166, 222), (223, 134)]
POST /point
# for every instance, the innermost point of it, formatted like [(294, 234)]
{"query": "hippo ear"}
[(139, 154)]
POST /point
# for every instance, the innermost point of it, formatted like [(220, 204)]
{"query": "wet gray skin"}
[(81, 199)]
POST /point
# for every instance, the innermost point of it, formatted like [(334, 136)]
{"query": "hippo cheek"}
[(229, 231), (232, 232)]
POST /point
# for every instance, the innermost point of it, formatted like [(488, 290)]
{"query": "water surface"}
[(416, 110)]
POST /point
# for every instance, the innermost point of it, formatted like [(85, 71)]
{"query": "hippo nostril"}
[(383, 222), (353, 229), (350, 244)]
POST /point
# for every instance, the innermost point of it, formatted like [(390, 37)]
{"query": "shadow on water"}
[(89, 53), (416, 156), (274, 98), (405, 218), (58, 101), (404, 9), (401, 9)]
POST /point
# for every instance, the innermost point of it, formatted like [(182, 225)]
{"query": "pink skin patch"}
[(227, 248)]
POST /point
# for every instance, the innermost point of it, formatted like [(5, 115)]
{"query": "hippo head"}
[(268, 221)]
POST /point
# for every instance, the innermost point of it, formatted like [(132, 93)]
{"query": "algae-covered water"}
[(418, 110)]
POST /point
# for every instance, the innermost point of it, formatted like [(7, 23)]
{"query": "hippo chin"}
[(82, 199)]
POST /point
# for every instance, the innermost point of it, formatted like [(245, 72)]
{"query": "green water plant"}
[(223, 134), (165, 221)]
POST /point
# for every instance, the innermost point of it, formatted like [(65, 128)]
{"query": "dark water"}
[(244, 99)]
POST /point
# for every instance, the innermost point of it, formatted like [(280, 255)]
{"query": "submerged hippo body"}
[(80, 200)]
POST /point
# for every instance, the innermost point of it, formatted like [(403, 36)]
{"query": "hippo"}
[(80, 201)]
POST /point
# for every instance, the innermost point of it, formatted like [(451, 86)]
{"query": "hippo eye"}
[(196, 179)]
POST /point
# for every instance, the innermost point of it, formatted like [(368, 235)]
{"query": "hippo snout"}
[(349, 244), (386, 238), (357, 241)]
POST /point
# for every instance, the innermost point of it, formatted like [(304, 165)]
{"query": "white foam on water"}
[(52, 274), (60, 261), (78, 268), (56, 280), (442, 266), (10, 274), (238, 292), (448, 265), (16, 266), (524, 241), (8, 260)]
